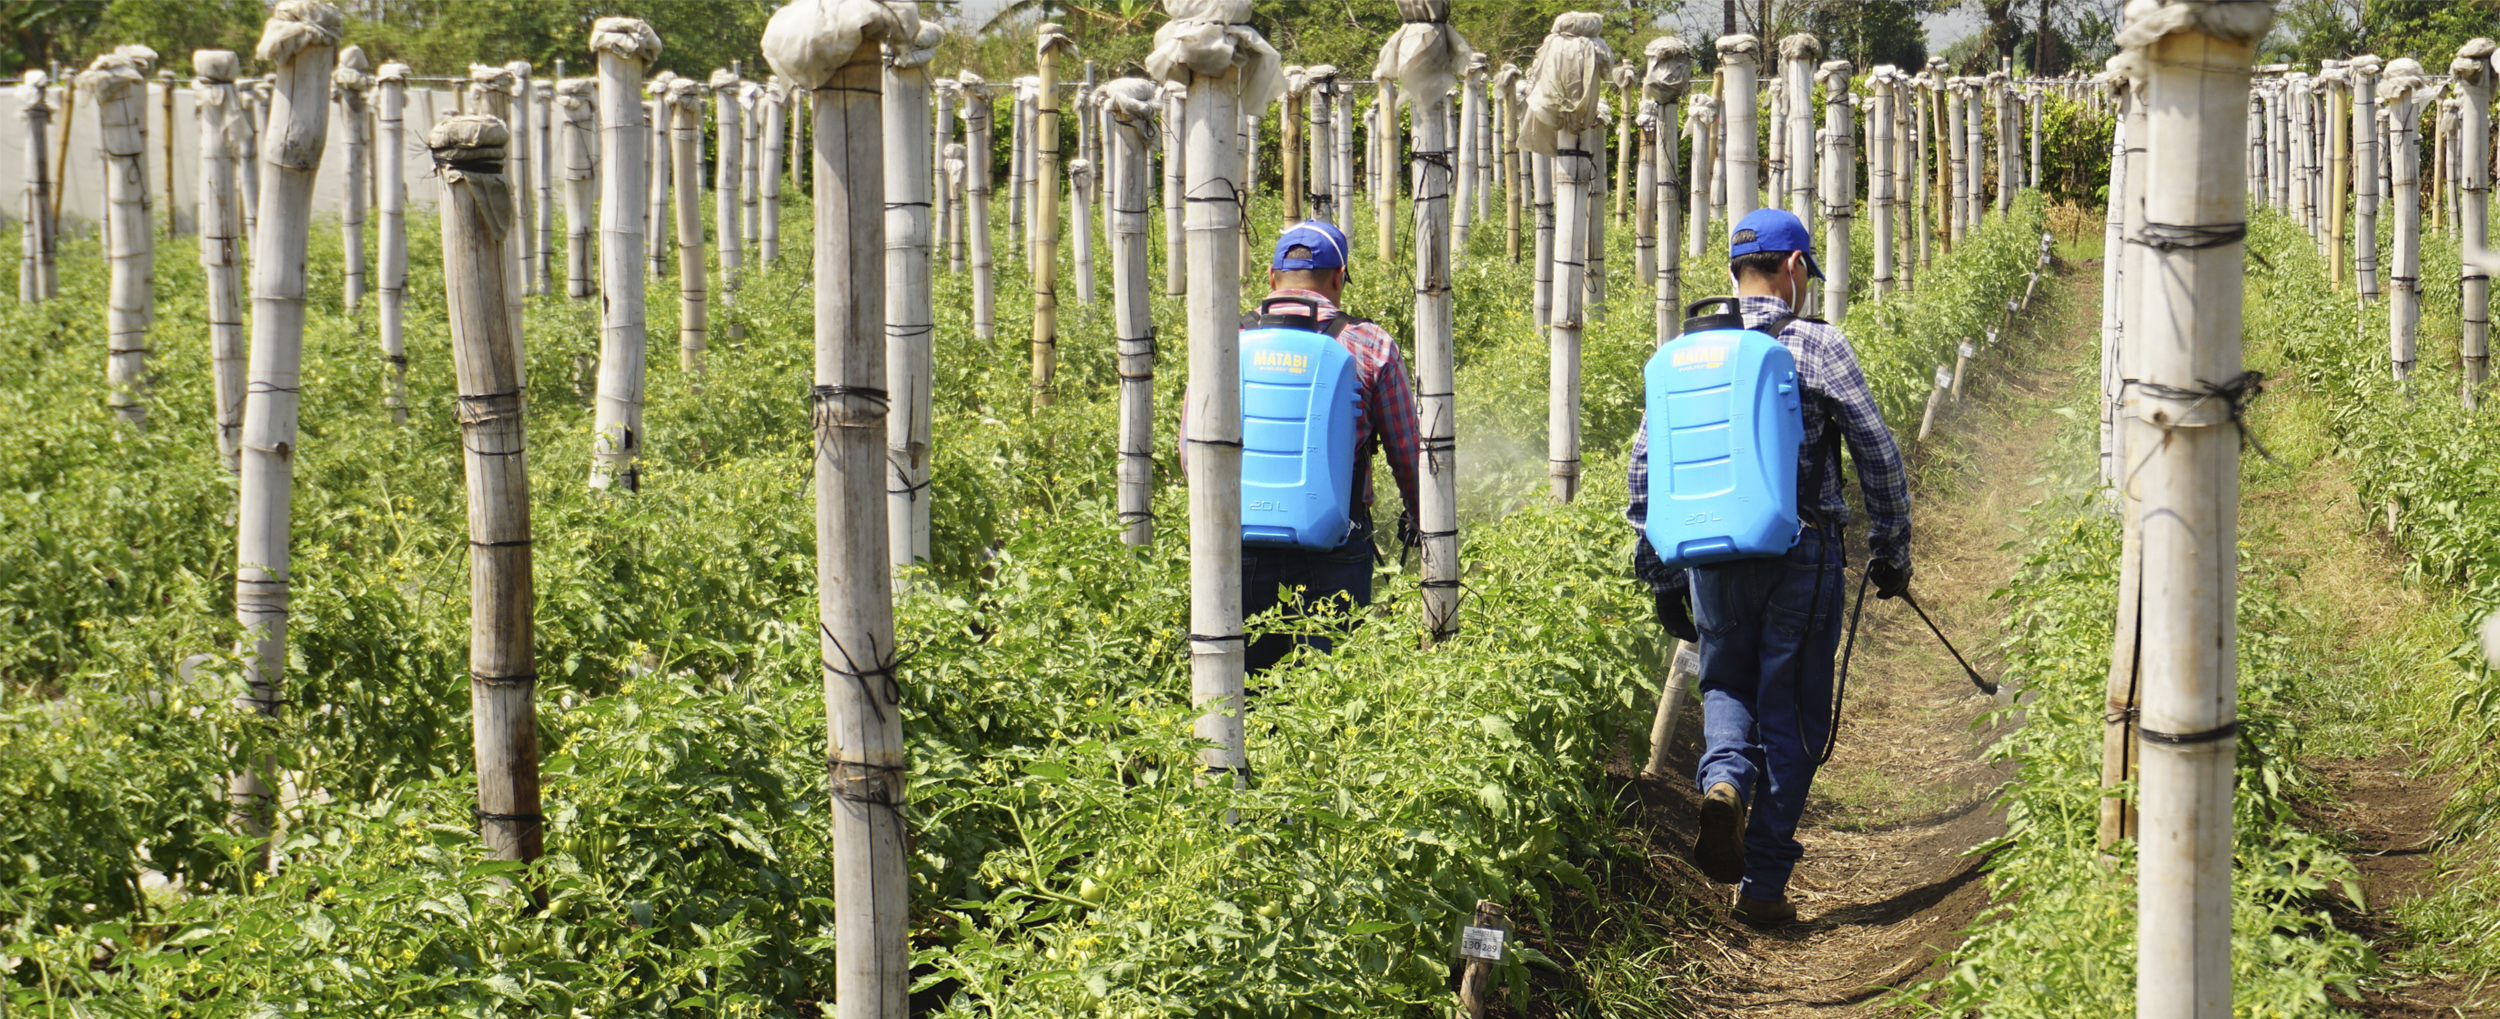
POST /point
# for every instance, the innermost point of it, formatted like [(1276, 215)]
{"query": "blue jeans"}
[(1342, 573), (1769, 628)]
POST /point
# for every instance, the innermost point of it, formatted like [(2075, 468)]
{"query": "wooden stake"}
[(350, 83), (391, 243), (119, 92), (910, 317), (214, 105), (624, 47), (37, 281), (478, 221), (811, 45), (977, 114), (2472, 73), (728, 175), (1739, 56), (770, 135), (1475, 985), (685, 96), (1175, 183), (1132, 104), (300, 40), (1839, 184), (576, 106), (1050, 43), (662, 145), (2196, 58)]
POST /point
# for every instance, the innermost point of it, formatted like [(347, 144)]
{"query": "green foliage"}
[(1901, 342), (2075, 146)]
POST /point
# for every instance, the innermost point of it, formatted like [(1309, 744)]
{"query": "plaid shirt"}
[(1829, 370), (1388, 396)]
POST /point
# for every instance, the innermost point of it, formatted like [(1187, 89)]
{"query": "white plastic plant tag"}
[(1944, 375), (1481, 943), (1969, 351)]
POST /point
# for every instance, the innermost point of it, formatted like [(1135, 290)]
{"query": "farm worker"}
[(1307, 277), (1767, 628)]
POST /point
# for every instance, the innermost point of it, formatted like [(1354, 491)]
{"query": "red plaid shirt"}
[(1388, 396)]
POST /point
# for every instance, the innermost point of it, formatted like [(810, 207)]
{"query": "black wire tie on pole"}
[(2225, 731)]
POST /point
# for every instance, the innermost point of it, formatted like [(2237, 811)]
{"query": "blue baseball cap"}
[(1774, 230), (1326, 243)]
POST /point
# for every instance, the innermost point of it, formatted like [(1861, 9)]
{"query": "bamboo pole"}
[(910, 318), (1506, 135), (728, 176), (832, 50), (1667, 78), (1224, 65), (1132, 104), (948, 154), (349, 83), (773, 157), (1974, 140), (1341, 166), (1290, 131), (1541, 175), (1593, 235), (2472, 73), (685, 98), (1175, 169), (2037, 103), (1643, 155), (119, 92), (60, 155), (173, 206), (977, 113), (300, 41), (214, 103), (656, 217), (1050, 43), (478, 222), (1683, 664), (514, 110), (1563, 124), (492, 90), (1627, 139), (750, 104), (2443, 162), (541, 182), (1739, 56), (2368, 159), (1706, 160), (1839, 184), (2197, 58), (2001, 98), (1020, 166), (2113, 276), (1958, 141), (1775, 154), (955, 170), (391, 241), (2405, 93), (1908, 177), (37, 279), (1469, 196), (576, 149), (1424, 57), (1880, 169), (2339, 172), (1384, 153), (1798, 55), (624, 49)]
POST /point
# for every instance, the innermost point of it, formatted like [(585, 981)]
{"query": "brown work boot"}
[(1757, 913), (1719, 847)]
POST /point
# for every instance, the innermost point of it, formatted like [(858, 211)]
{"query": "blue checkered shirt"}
[(1834, 385)]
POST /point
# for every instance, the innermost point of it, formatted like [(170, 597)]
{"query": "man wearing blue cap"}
[(1768, 628), (1310, 266)]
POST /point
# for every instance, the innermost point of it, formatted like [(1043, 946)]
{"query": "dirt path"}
[(1888, 879)]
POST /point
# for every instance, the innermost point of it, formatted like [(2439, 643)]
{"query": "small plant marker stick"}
[(1739, 56), (833, 49), (977, 114), (478, 222), (2472, 73), (118, 91), (221, 239), (1839, 185), (1563, 126), (576, 151), (37, 279), (349, 84), (300, 41), (910, 316), (685, 96), (391, 240), (770, 136), (1131, 105), (1423, 57), (1050, 43), (1475, 985), (2196, 58), (624, 47)]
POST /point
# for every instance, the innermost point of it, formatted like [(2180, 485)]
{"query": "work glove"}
[(1675, 615), (1892, 580), (1408, 535)]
